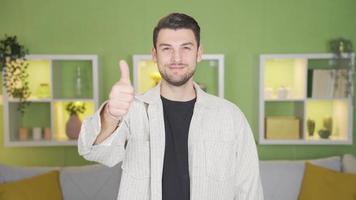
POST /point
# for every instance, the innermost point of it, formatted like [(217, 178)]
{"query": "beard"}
[(176, 81)]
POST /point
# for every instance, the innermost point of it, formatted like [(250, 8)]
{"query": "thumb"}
[(125, 72)]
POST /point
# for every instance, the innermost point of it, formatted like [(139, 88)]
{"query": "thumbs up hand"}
[(121, 95)]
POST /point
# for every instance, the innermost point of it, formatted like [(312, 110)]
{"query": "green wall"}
[(241, 30)]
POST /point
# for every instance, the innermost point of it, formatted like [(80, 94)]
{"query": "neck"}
[(184, 92)]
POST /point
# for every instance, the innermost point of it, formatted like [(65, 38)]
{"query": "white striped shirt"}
[(222, 156)]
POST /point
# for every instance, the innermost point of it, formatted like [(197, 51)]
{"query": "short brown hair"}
[(177, 21)]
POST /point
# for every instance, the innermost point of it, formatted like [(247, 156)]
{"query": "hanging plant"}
[(14, 70), (343, 63), (339, 46)]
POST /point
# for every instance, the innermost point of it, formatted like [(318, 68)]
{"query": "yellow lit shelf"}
[(54, 81), (308, 88)]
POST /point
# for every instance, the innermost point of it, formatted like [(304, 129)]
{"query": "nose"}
[(177, 56)]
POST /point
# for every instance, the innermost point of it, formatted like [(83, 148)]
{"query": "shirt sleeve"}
[(248, 183), (112, 150)]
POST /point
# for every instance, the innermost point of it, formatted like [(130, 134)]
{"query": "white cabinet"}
[(54, 81), (306, 99)]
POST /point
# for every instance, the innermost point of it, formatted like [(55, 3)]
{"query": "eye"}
[(187, 48), (165, 49)]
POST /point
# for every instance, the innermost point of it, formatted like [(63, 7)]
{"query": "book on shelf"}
[(282, 127), (323, 83)]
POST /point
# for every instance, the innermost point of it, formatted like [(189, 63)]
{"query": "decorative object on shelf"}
[(326, 131), (282, 92), (342, 48), (328, 123), (43, 91), (268, 93), (74, 123), (37, 133), (156, 77), (47, 133), (78, 82), (282, 127), (14, 68), (323, 133), (23, 134), (311, 127)]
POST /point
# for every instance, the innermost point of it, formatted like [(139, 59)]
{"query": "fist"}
[(121, 94)]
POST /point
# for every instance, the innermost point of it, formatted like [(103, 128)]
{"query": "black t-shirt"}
[(175, 178)]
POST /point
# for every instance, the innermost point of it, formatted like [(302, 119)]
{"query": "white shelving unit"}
[(210, 71), (297, 90), (54, 81)]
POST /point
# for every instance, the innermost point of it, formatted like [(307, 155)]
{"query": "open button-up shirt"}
[(222, 156)]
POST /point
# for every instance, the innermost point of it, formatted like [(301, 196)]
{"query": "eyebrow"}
[(187, 44), (168, 45)]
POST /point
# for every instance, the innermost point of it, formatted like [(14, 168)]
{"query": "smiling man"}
[(176, 142)]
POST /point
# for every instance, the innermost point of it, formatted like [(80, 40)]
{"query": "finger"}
[(119, 105), (118, 112), (122, 97), (119, 88), (125, 72)]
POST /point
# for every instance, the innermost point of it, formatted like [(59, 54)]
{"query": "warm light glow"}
[(147, 69), (318, 110), (61, 117), (39, 78), (286, 73)]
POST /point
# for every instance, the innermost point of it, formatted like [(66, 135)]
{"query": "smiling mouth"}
[(177, 66)]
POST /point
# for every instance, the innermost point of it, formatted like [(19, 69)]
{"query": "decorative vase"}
[(47, 133), (311, 127), (37, 133), (324, 133), (23, 134), (328, 124), (73, 127)]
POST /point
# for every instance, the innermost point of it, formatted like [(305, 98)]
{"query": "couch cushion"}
[(349, 163), (281, 180), (10, 173), (327, 184), (90, 182), (42, 187)]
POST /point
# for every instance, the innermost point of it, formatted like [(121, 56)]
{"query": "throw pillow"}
[(41, 187), (322, 183), (349, 163)]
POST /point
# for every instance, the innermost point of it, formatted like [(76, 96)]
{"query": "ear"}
[(154, 54), (200, 53)]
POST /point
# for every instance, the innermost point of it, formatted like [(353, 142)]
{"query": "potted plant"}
[(74, 123), (326, 131), (14, 70)]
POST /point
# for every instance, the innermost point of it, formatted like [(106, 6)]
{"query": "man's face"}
[(176, 54)]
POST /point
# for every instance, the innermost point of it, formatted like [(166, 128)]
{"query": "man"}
[(176, 141)]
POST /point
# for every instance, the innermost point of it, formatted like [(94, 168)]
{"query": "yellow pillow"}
[(41, 187), (325, 184)]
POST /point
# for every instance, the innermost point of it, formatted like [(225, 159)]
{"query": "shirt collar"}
[(153, 96)]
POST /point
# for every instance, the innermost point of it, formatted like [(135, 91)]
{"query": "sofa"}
[(90, 182), (281, 179)]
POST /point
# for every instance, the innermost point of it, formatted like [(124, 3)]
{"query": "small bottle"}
[(78, 83)]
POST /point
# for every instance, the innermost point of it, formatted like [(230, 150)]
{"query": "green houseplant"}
[(14, 70), (73, 108)]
